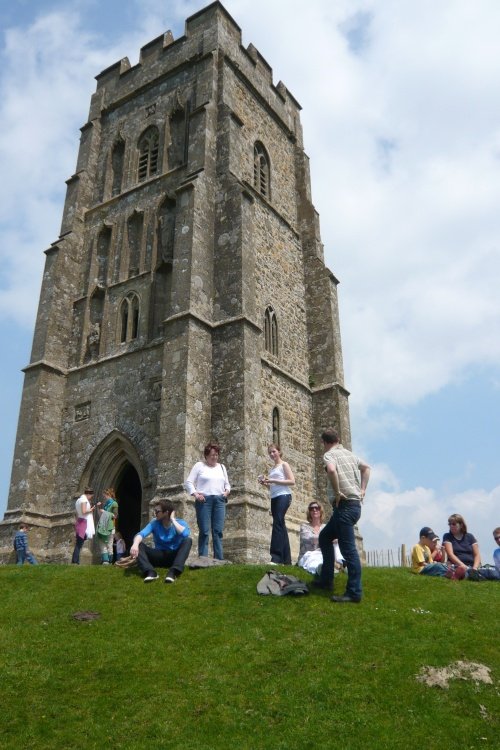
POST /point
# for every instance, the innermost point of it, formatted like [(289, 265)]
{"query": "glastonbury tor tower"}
[(185, 300)]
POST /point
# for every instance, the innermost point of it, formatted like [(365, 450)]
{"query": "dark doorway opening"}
[(129, 494)]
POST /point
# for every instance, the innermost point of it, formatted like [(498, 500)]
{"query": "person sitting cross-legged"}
[(172, 544), (421, 556)]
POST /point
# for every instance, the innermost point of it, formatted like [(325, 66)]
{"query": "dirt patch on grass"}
[(86, 616), (459, 670)]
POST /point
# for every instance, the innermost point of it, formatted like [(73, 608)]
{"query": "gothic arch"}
[(108, 460), (117, 165), (103, 246), (96, 310), (276, 426), (165, 229), (261, 170), (129, 316), (149, 150), (271, 331), (135, 444), (135, 233), (116, 463)]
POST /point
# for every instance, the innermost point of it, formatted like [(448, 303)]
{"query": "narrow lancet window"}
[(276, 426), (129, 318), (149, 148), (261, 171), (271, 331)]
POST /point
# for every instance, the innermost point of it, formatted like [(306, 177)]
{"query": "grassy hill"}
[(207, 663)]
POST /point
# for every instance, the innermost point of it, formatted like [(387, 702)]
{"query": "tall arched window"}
[(166, 230), (134, 309), (177, 147), (149, 145), (276, 426), (103, 245), (129, 318), (124, 312), (135, 228), (271, 331), (117, 159), (261, 171)]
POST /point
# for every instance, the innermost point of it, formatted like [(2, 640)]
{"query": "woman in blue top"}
[(279, 480), (461, 547)]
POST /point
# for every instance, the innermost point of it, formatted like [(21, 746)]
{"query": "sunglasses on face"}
[(158, 512), (314, 507)]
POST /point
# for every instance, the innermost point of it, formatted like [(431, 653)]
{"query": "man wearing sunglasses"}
[(348, 477), (172, 544)]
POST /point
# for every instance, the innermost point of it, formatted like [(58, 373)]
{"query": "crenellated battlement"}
[(207, 31)]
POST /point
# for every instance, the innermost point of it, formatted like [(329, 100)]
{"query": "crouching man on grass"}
[(172, 544)]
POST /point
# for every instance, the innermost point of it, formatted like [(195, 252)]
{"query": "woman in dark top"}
[(461, 547)]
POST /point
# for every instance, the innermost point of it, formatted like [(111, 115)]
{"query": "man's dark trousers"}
[(150, 557), (341, 526)]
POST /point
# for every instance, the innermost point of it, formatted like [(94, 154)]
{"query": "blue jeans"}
[(211, 513), (488, 574), (434, 569), (22, 555), (280, 544), (341, 526)]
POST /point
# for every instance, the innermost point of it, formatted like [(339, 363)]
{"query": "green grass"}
[(208, 663)]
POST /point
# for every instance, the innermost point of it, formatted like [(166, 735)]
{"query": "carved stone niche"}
[(156, 390), (82, 411)]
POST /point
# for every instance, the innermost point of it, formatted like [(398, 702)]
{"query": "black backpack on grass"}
[(280, 584)]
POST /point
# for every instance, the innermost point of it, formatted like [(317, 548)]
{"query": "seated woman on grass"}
[(310, 557), (463, 551), (461, 547)]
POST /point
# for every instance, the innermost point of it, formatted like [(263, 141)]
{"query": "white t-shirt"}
[(208, 480), (84, 502), (278, 472)]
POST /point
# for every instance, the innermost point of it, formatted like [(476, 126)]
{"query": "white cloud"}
[(47, 79), (392, 517), (46, 72)]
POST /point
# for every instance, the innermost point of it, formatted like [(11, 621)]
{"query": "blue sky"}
[(401, 120)]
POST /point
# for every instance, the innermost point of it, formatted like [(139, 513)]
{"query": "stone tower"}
[(185, 300)]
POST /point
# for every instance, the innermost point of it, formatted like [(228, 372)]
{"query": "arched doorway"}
[(129, 494), (116, 463)]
